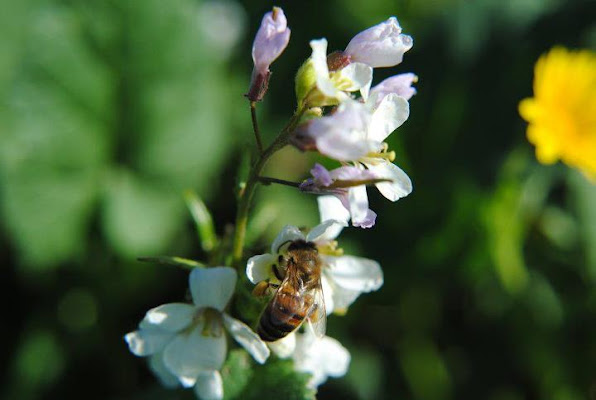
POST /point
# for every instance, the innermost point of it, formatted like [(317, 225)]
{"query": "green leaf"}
[(236, 373), (277, 378), (203, 220), (140, 216), (175, 261)]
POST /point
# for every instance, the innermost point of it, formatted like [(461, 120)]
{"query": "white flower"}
[(271, 40), (353, 77), (382, 45), (186, 341), (356, 132), (322, 358), (343, 278)]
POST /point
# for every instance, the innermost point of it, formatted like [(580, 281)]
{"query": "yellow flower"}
[(562, 113)]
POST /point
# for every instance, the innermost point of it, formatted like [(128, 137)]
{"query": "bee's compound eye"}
[(280, 259)]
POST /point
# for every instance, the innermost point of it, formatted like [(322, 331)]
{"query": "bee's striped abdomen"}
[(278, 321)]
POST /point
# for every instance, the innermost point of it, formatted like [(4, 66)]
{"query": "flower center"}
[(212, 323), (330, 248), (383, 154)]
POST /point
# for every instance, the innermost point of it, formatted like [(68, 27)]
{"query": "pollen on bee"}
[(260, 289)]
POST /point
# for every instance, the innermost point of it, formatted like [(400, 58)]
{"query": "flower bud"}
[(271, 40), (382, 45)]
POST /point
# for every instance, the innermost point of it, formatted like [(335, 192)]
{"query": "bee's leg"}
[(260, 289), (278, 272)]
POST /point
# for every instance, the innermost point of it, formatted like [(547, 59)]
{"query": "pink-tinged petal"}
[(382, 45), (361, 215), (271, 39), (400, 184), (400, 84), (389, 115), (368, 221), (212, 287), (209, 386), (351, 173), (321, 174), (343, 135)]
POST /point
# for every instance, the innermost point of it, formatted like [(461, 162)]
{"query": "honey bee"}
[(298, 297)]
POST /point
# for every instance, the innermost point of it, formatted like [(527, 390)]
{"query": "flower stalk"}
[(247, 193)]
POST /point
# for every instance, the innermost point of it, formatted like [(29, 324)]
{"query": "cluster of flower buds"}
[(341, 116)]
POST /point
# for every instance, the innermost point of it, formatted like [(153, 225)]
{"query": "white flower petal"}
[(343, 135), (284, 347), (258, 268), (354, 273), (319, 63), (209, 386), (389, 115), (400, 185), (382, 45), (400, 84), (320, 357), (335, 357), (358, 203), (328, 291), (145, 342), (247, 338), (212, 287), (330, 207), (288, 234), (360, 77), (190, 353), (160, 370), (343, 298), (325, 230), (170, 317)]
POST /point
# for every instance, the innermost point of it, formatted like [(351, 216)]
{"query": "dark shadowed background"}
[(109, 109)]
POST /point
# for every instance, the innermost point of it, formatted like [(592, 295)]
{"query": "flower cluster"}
[(343, 117), (355, 130)]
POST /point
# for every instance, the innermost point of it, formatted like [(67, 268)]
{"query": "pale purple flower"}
[(353, 199), (341, 135), (382, 45), (271, 40), (400, 84)]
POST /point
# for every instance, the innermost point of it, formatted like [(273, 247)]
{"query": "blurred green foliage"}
[(110, 109)]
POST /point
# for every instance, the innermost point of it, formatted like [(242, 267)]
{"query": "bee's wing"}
[(317, 317), (289, 298)]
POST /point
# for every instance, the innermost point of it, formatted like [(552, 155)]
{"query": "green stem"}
[(248, 191)]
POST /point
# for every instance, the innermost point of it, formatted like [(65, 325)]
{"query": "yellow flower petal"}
[(562, 113)]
